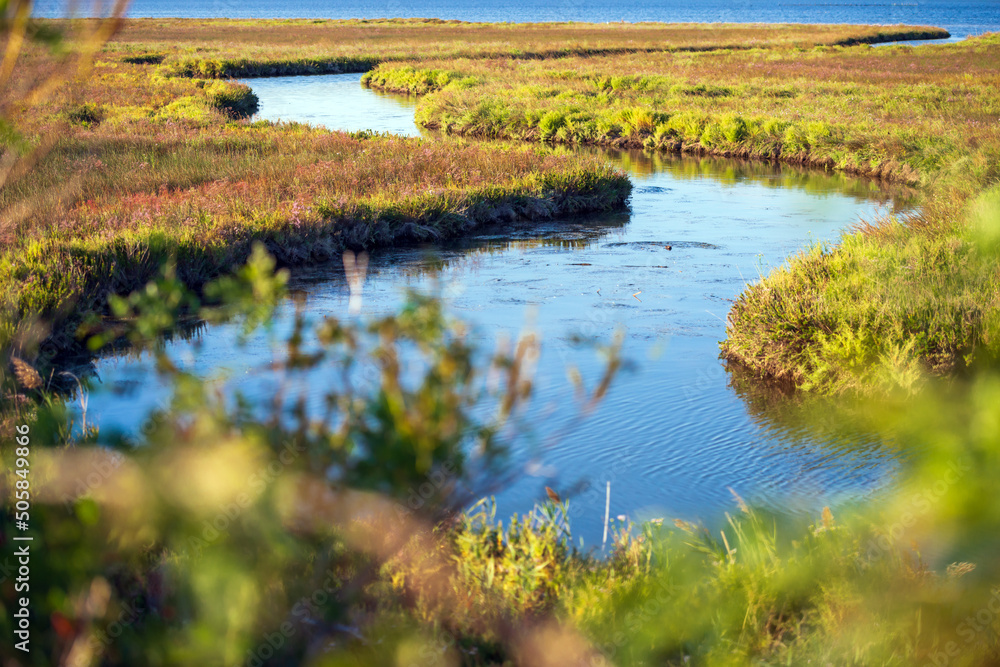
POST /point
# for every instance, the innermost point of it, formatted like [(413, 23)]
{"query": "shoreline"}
[(882, 172)]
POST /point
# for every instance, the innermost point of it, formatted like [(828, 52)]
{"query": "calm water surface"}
[(676, 432), (960, 17)]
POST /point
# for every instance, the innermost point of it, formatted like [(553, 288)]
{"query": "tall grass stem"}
[(607, 515)]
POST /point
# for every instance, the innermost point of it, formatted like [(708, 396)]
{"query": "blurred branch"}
[(15, 39)]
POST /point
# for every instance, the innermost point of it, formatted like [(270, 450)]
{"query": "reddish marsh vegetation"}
[(141, 168)]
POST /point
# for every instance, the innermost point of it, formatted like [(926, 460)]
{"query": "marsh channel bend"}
[(678, 430)]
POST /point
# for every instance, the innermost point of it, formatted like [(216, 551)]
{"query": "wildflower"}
[(299, 212)]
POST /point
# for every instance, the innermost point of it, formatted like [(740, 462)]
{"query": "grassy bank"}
[(888, 305), (204, 198), (145, 168), (898, 112), (898, 297)]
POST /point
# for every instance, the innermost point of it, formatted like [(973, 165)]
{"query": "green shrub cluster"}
[(233, 99)]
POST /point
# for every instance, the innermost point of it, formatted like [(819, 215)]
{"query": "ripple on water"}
[(661, 245)]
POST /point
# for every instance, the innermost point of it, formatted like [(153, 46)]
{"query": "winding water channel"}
[(677, 431)]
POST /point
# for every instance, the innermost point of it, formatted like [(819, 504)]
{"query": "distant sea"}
[(960, 17)]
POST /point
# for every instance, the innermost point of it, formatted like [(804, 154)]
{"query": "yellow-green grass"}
[(898, 297), (895, 111)]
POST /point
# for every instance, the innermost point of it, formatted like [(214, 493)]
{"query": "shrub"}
[(87, 114), (144, 59), (209, 68), (532, 117), (608, 128), (622, 82), (663, 130), (688, 125), (728, 129), (581, 128), (817, 133), (795, 140), (639, 120), (486, 118), (236, 100), (712, 135), (774, 127)]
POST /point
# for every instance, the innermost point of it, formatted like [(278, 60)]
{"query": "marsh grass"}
[(306, 194), (149, 169), (881, 309), (897, 299), (899, 113)]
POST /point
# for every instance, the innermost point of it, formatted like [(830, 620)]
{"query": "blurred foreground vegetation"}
[(235, 533)]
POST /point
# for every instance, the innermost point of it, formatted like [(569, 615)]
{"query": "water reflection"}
[(728, 171), (794, 419), (331, 100)]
